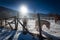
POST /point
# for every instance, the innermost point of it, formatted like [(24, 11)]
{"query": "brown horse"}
[(42, 22), (57, 18)]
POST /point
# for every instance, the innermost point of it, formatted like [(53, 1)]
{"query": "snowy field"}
[(54, 30)]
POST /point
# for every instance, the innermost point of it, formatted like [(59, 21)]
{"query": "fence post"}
[(40, 28)]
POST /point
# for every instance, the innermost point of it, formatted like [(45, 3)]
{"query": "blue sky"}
[(42, 6)]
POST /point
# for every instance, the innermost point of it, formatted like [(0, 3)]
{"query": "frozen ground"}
[(54, 30)]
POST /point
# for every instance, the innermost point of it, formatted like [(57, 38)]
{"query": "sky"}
[(38, 6)]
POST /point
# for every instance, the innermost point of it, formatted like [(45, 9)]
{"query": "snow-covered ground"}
[(54, 28)]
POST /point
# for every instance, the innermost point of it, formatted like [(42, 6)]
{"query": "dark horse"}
[(57, 18), (42, 22)]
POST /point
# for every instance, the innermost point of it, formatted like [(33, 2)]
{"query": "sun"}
[(23, 10)]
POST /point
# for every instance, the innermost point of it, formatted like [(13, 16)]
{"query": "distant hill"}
[(6, 12)]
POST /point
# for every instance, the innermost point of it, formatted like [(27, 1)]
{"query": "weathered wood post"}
[(40, 28), (15, 19), (5, 22), (1, 22), (38, 15)]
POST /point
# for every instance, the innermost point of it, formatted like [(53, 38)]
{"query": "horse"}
[(42, 22)]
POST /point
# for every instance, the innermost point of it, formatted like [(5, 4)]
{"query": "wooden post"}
[(15, 19), (5, 22), (17, 23), (1, 22), (40, 28)]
